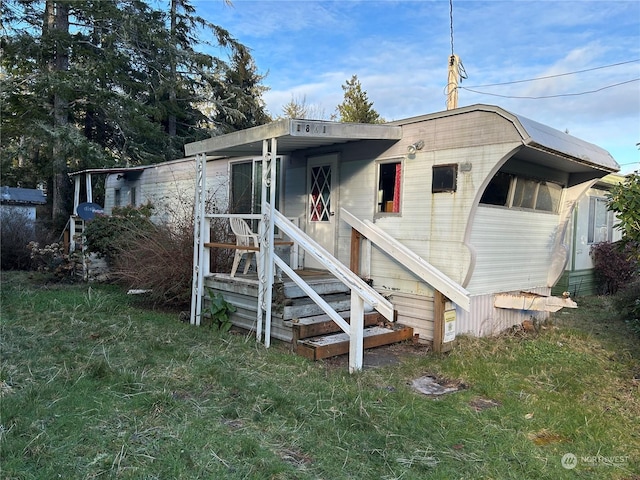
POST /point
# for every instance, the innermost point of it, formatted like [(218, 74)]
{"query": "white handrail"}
[(346, 276), (410, 260)]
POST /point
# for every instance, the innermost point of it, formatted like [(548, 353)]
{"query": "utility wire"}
[(555, 76), (552, 96), (451, 23)]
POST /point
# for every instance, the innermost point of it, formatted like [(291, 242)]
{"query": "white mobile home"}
[(481, 194), (461, 213)]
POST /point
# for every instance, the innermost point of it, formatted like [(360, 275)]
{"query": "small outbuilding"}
[(17, 201)]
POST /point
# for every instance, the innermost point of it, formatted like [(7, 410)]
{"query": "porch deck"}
[(296, 319)]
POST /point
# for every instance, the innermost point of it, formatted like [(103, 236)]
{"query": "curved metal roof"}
[(540, 137)]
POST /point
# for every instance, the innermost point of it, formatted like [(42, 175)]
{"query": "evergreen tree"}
[(239, 104), (356, 107), (97, 83)]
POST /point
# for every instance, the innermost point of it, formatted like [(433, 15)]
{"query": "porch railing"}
[(361, 292), (410, 260)]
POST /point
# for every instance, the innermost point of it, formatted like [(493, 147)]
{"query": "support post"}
[(271, 182), (262, 261), (76, 194), (206, 254), (356, 333), (452, 83), (439, 301), (354, 262), (198, 239), (89, 187)]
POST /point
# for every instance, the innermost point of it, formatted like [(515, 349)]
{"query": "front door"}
[(322, 204)]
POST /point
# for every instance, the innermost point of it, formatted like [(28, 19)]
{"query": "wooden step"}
[(305, 307), (338, 344), (322, 286), (323, 325)]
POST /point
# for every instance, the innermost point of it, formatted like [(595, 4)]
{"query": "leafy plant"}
[(627, 302), (109, 235), (53, 259), (616, 264), (218, 310), (624, 199)]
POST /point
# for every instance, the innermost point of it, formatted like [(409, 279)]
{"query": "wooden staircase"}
[(315, 335)]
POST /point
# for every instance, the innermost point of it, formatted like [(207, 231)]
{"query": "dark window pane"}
[(444, 178), (497, 192)]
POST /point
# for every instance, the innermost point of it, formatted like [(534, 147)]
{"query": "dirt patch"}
[(383, 356), (545, 437), (434, 386), (480, 403)]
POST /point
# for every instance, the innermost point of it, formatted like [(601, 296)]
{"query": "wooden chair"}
[(244, 238)]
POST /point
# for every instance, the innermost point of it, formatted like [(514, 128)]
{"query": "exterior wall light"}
[(414, 147)]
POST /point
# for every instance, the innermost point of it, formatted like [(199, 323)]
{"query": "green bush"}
[(109, 235), (616, 265)]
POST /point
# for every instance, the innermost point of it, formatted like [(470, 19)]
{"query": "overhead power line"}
[(451, 24), (552, 96), (556, 75)]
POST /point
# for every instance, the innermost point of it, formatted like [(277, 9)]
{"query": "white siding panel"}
[(414, 311), (514, 249), (170, 187), (486, 320)]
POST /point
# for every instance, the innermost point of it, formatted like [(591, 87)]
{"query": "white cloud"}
[(399, 50)]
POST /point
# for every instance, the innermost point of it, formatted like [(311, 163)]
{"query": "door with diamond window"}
[(322, 204)]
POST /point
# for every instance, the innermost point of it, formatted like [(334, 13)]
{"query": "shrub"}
[(53, 259), (627, 302), (616, 265), (108, 236), (157, 258), (152, 255), (17, 231)]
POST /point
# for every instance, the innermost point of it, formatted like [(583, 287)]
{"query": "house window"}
[(117, 197), (511, 191), (600, 221), (548, 197), (246, 186), (133, 197), (497, 192), (444, 178), (389, 184)]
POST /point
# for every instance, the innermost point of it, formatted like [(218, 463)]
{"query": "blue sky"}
[(399, 50)]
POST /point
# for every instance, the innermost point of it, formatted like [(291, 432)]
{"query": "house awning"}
[(111, 170), (292, 134)]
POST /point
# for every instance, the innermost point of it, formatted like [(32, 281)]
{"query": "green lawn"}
[(94, 386)]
